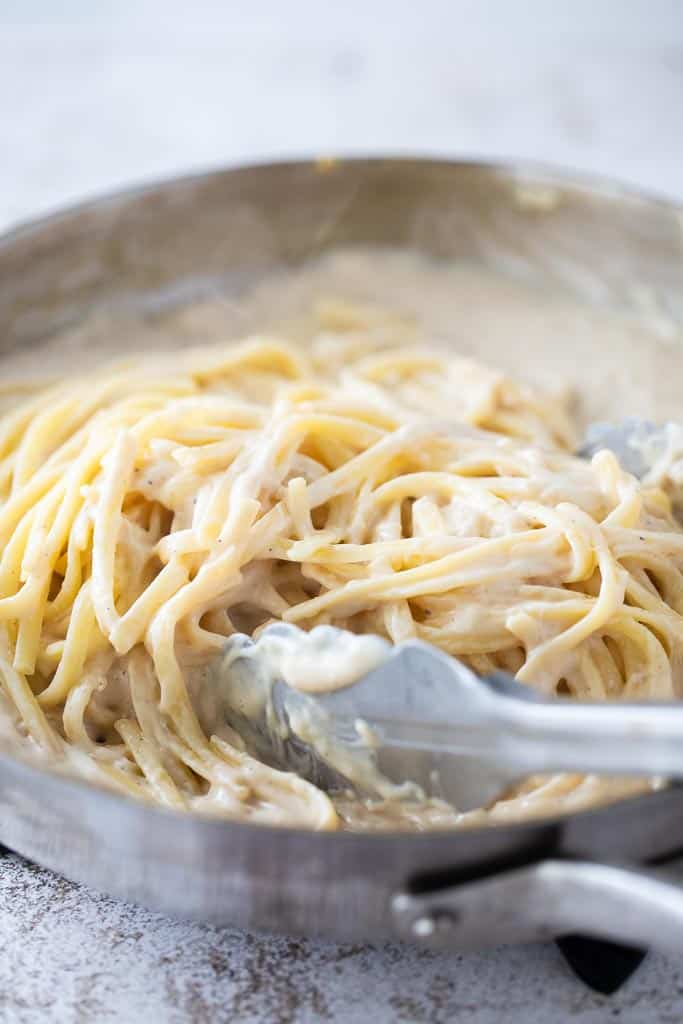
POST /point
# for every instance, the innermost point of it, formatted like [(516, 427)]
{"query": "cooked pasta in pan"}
[(151, 509)]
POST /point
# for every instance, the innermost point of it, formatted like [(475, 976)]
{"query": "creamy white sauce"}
[(322, 660)]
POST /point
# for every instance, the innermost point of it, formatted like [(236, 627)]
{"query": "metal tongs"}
[(421, 724)]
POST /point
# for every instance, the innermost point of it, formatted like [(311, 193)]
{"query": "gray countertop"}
[(72, 955), (95, 96)]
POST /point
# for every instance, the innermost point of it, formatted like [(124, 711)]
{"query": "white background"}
[(97, 94), (94, 94)]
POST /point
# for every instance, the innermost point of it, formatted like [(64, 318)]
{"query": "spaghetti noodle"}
[(150, 510)]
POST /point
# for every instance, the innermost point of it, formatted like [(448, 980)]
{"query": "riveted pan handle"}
[(544, 900)]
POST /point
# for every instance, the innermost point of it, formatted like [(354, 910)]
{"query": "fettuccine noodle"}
[(149, 510)]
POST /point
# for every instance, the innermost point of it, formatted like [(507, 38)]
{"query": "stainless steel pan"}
[(154, 247)]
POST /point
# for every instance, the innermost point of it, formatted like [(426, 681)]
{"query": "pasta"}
[(150, 510)]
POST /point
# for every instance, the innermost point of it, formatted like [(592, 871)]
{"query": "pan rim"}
[(531, 171)]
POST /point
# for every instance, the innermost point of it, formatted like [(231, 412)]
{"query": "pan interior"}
[(531, 293)]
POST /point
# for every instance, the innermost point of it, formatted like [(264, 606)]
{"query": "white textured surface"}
[(96, 95)]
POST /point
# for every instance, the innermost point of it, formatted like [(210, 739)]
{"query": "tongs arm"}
[(421, 699), (604, 738)]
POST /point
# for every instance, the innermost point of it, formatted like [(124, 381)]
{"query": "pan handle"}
[(546, 899)]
